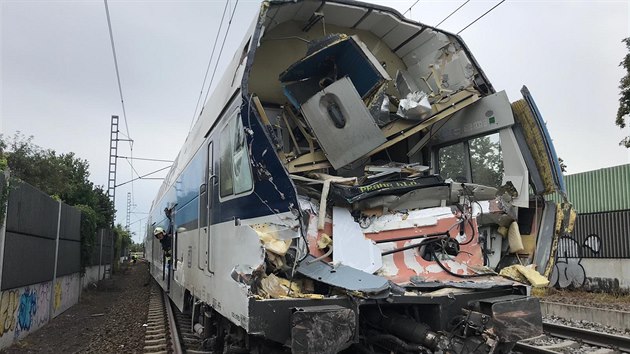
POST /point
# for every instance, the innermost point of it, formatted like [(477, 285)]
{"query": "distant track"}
[(589, 337), (580, 335)]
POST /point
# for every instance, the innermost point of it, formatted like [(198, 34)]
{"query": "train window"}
[(476, 160), (226, 180), (452, 162), (235, 176), (486, 162)]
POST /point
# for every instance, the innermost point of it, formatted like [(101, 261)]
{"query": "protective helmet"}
[(158, 230)]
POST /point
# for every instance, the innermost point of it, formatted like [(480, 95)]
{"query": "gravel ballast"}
[(107, 319)]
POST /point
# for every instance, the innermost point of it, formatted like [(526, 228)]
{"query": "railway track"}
[(573, 338), (168, 330)]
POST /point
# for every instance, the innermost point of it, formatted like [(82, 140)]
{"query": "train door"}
[(205, 206)]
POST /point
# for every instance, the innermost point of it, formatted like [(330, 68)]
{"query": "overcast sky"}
[(59, 84)]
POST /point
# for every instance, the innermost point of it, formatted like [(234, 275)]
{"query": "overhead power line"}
[(214, 47), (452, 13), (220, 52), (120, 91), (145, 175), (478, 18), (122, 101), (411, 7), (144, 159)]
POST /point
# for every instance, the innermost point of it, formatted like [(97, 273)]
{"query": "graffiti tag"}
[(568, 270)]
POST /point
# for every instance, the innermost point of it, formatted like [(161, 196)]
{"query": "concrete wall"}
[(92, 275), (617, 319), (607, 274), (24, 310)]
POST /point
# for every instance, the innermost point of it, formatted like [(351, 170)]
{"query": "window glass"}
[(242, 169), (486, 161), (235, 170), (452, 162), (226, 180)]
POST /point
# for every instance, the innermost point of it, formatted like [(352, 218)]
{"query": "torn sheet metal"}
[(276, 238), (514, 317), (405, 84), (342, 124), (415, 106), (322, 329), (344, 277), (350, 247)]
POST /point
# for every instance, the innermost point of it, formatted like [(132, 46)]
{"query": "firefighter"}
[(165, 240)]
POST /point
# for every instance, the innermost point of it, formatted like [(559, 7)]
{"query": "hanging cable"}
[(452, 13), (122, 101), (214, 47), (479, 18), (120, 91), (411, 7), (227, 31), (144, 176), (143, 159)]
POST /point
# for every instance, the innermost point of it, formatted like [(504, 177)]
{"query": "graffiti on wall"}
[(8, 307), (58, 293), (26, 311), (568, 271)]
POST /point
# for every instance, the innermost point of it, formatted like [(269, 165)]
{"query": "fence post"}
[(3, 222), (100, 255), (54, 280)]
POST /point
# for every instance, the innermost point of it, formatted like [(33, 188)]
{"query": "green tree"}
[(122, 241), (485, 161), (63, 176), (624, 101)]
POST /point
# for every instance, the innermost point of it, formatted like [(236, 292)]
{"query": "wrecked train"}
[(355, 183)]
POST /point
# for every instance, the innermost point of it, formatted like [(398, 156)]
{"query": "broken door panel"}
[(344, 56), (342, 124), (539, 142)]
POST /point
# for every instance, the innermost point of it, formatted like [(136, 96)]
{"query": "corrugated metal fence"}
[(599, 235), (602, 200), (606, 189)]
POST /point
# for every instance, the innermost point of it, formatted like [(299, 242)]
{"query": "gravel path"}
[(108, 319)]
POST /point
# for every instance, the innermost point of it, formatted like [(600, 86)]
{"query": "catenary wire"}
[(120, 91), (411, 7), (227, 31), (479, 18), (452, 13), (214, 47)]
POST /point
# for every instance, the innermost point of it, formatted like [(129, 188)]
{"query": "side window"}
[(452, 162), (486, 160), (477, 160), (226, 180), (235, 170)]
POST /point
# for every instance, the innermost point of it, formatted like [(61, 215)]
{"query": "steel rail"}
[(172, 325), (588, 337), (532, 349)]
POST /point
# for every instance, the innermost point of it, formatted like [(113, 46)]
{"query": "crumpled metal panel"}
[(342, 276), (354, 136), (514, 317), (322, 329)]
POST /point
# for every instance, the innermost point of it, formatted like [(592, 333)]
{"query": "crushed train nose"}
[(322, 329)]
